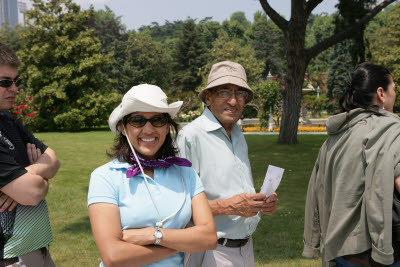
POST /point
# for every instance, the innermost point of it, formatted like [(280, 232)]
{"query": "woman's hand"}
[(142, 237)]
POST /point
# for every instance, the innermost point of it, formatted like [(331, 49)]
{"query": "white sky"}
[(135, 13)]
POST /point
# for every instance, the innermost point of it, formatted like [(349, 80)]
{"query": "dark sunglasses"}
[(140, 121), (6, 83)]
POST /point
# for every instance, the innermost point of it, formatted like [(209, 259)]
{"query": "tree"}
[(384, 46), (189, 56), (11, 36), (319, 28), (226, 49), (161, 33), (237, 26), (341, 65), (107, 27), (209, 30), (269, 44), (298, 57), (146, 61), (62, 67)]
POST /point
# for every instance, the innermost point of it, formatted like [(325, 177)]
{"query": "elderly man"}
[(26, 164), (217, 149)]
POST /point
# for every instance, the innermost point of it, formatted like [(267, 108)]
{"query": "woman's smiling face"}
[(148, 139)]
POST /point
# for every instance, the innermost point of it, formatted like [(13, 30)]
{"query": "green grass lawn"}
[(277, 241)]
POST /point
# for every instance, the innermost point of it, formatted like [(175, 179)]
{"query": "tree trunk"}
[(297, 57), (296, 60)]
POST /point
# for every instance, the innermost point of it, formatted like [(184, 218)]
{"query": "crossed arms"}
[(134, 247), (31, 187)]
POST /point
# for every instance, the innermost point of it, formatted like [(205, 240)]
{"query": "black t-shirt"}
[(13, 160), (13, 156)]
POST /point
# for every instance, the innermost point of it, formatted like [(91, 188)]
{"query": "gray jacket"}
[(350, 193)]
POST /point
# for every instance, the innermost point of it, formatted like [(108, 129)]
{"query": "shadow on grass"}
[(85, 188), (82, 226)]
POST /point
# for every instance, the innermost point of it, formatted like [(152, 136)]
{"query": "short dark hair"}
[(8, 57), (362, 85), (122, 151)]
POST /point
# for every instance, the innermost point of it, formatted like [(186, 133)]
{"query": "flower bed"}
[(276, 129)]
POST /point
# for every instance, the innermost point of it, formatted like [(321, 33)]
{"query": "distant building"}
[(22, 7), (9, 12)]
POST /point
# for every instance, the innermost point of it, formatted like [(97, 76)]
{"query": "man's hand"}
[(270, 204), (33, 152), (246, 205), (7, 203), (143, 236)]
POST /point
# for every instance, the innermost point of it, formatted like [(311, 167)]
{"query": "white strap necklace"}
[(160, 222)]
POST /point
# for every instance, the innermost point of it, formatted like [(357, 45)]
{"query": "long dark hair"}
[(121, 149), (362, 85)]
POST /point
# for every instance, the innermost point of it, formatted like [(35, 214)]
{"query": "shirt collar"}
[(210, 122), (116, 164)]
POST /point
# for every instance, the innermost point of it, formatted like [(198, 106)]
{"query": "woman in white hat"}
[(141, 202)]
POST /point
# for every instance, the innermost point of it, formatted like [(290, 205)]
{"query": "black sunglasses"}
[(6, 83), (140, 121)]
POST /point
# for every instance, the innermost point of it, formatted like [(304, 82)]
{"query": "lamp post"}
[(318, 90), (271, 119)]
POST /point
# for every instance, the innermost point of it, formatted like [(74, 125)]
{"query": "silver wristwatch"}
[(158, 235)]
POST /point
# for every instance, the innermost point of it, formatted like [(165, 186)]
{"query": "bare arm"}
[(28, 189), (245, 205), (202, 236), (106, 228), (46, 165)]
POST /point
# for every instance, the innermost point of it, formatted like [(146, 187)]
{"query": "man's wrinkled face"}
[(226, 102), (7, 95)]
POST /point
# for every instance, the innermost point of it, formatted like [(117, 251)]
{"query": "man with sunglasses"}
[(26, 164), (217, 149)]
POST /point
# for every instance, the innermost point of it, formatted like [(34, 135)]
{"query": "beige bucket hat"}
[(143, 98), (226, 72)]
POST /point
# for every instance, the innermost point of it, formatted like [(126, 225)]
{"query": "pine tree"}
[(189, 56), (341, 65)]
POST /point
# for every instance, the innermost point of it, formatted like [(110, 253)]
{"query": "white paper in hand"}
[(272, 180)]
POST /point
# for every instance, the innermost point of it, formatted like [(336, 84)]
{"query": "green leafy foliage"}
[(341, 65), (319, 28), (269, 44), (385, 49), (189, 56), (266, 96), (315, 104), (62, 67), (226, 49), (146, 61), (237, 26), (107, 27)]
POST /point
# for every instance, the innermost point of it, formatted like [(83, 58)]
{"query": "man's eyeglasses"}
[(140, 121), (241, 95), (6, 83)]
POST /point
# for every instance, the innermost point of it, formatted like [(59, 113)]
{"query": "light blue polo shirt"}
[(223, 166), (108, 184)]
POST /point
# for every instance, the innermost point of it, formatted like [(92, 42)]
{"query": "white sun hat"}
[(142, 98)]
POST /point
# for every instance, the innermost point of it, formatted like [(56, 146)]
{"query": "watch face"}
[(158, 234)]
